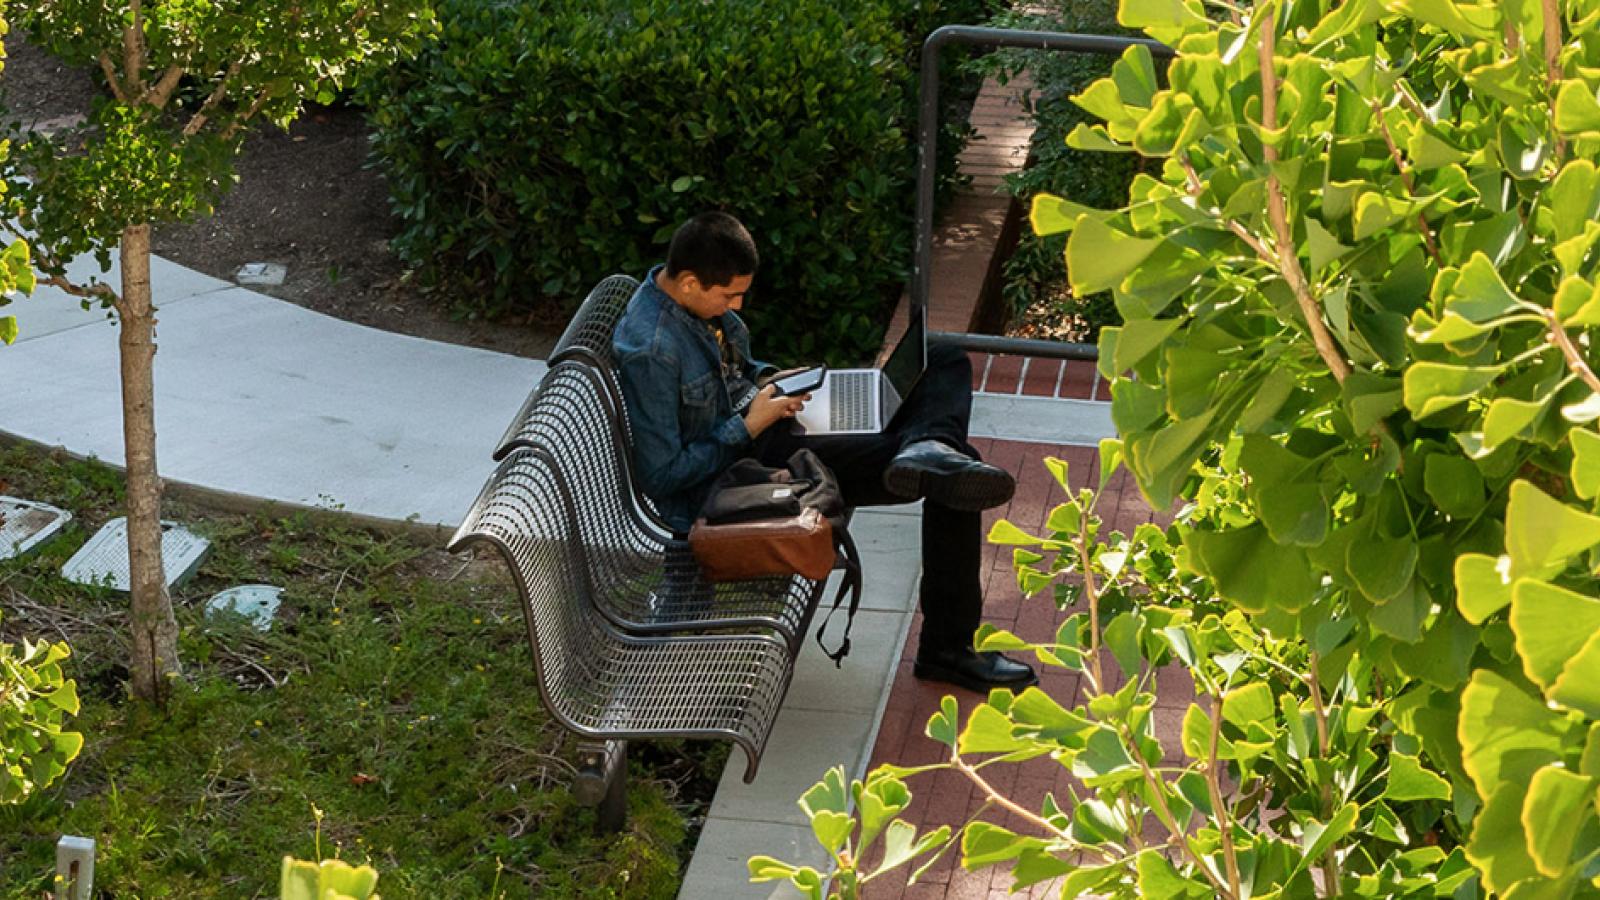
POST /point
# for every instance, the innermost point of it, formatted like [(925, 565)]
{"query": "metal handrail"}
[(927, 160)]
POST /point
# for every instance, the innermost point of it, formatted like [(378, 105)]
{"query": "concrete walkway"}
[(260, 398)]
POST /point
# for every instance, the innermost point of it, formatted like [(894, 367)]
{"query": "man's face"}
[(710, 302)]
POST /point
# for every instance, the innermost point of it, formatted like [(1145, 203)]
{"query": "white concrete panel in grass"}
[(25, 524), (103, 559)]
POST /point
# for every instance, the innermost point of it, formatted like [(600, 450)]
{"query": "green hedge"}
[(540, 145)]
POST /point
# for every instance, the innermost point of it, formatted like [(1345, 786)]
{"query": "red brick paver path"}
[(966, 242), (947, 798)]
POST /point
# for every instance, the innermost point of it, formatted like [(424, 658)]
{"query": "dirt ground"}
[(304, 199)]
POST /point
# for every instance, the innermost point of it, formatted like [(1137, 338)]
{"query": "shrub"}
[(1035, 275), (539, 146)]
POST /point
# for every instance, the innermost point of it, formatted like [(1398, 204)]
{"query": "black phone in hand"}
[(803, 382)]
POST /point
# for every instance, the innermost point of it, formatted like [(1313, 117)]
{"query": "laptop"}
[(865, 401)]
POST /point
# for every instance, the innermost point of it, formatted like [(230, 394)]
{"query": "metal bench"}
[(629, 642), (650, 583), (602, 683)]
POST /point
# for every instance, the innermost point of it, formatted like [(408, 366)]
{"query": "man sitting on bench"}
[(695, 404)]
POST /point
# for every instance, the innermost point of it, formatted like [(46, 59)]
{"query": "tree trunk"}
[(155, 631)]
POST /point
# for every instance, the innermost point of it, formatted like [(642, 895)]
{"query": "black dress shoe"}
[(973, 670), (945, 475)]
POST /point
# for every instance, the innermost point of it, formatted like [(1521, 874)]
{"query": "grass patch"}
[(394, 699)]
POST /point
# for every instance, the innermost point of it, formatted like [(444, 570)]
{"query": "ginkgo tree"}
[(1360, 293), (185, 81)]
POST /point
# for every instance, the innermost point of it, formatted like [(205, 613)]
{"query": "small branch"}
[(1575, 360), (90, 292), (1277, 210), (1409, 102), (250, 113), (198, 120), (1405, 178), (1091, 593), (1330, 860), (1243, 233), (1315, 682), (1134, 837), (1214, 784), (112, 79), (159, 93), (1551, 10), (1005, 802), (1164, 813), (1552, 40)]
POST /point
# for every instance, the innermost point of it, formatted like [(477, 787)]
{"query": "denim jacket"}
[(685, 430)]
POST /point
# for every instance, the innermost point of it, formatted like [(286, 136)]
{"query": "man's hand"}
[(767, 408)]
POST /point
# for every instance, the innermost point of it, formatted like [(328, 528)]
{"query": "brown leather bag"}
[(800, 544), (761, 522), (758, 521)]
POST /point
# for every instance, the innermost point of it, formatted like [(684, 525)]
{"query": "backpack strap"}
[(850, 583)]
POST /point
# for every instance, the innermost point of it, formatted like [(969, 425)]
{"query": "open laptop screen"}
[(909, 358)]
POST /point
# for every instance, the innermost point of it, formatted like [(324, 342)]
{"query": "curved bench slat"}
[(647, 579), (597, 680)]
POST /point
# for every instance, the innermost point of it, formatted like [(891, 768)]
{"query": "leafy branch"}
[(1574, 358), (1406, 179), (1277, 207)]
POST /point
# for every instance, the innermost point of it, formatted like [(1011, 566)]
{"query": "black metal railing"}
[(927, 156)]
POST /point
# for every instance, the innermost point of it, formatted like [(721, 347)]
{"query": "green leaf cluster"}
[(1379, 399), (331, 879), (16, 267), (1358, 284), (35, 700), (849, 822), (536, 147), (1277, 781)]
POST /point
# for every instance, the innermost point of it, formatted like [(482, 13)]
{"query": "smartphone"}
[(800, 382)]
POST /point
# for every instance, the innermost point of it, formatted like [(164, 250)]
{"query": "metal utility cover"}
[(25, 525), (103, 560), (256, 602), (261, 273)]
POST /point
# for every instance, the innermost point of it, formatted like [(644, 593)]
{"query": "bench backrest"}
[(589, 332), (527, 513)]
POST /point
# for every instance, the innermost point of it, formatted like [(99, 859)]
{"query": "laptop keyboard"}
[(851, 400)]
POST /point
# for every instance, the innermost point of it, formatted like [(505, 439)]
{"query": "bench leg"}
[(602, 781)]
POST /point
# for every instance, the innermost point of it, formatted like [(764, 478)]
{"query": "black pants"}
[(940, 408)]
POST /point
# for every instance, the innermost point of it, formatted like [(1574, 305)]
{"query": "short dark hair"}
[(715, 247)]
